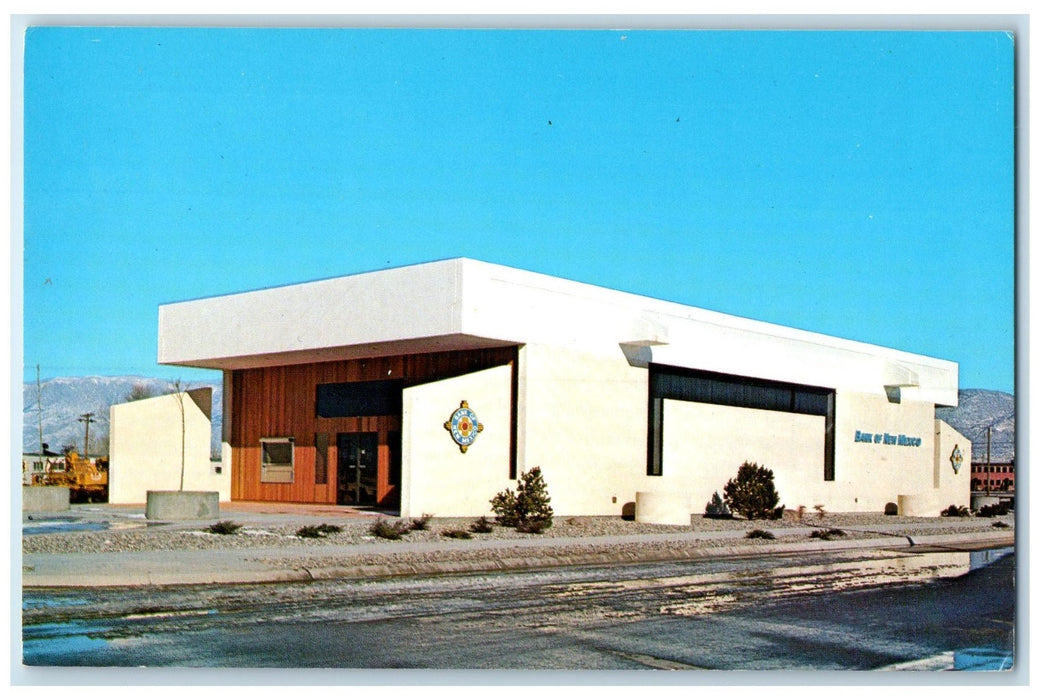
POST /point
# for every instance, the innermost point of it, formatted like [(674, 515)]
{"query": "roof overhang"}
[(461, 304), (414, 346)]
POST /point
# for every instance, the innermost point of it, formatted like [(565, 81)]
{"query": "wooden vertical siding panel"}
[(281, 402)]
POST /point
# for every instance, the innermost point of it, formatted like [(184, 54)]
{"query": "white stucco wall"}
[(873, 474), (951, 488), (705, 444), (584, 424), (436, 476), (145, 449)]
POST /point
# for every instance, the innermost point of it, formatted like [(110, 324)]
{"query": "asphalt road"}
[(857, 610)]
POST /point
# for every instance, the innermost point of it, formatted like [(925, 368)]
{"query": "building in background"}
[(994, 476), (36, 465), (429, 388)]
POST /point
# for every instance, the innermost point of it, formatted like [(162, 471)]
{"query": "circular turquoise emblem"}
[(463, 426)]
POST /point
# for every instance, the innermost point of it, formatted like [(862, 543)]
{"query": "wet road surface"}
[(857, 610)]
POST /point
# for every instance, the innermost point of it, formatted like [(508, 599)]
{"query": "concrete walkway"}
[(297, 562)]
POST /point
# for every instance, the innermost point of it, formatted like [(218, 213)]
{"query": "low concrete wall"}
[(45, 498), (662, 508), (916, 505), (182, 505), (979, 500)]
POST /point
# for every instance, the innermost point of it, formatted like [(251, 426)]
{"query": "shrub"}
[(956, 512), (827, 534), (992, 510), (1000, 523), (481, 524), (224, 527), (760, 535), (457, 534), (315, 531), (533, 526), (422, 523), (716, 508), (528, 508), (820, 511), (752, 493), (778, 513), (387, 530)]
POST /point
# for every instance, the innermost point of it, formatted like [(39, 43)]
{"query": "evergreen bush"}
[(752, 493), (528, 509), (717, 508)]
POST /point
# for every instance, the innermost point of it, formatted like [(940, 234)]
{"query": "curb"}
[(238, 571), (677, 554)]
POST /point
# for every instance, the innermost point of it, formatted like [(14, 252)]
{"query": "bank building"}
[(430, 388)]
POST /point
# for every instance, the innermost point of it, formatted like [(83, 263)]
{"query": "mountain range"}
[(65, 399), (977, 410)]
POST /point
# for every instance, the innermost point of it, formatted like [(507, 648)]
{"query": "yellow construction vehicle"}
[(87, 480)]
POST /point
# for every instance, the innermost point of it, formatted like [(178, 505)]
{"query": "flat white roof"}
[(463, 304)]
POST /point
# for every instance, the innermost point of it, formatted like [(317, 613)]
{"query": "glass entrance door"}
[(357, 469)]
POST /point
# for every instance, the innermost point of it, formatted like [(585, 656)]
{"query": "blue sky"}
[(859, 184)]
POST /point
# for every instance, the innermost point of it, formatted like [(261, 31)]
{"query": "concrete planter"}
[(45, 499), (182, 505)]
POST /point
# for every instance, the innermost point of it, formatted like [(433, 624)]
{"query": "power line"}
[(86, 419)]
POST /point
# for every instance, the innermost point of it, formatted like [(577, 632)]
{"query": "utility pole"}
[(988, 469), (39, 410), (86, 418)]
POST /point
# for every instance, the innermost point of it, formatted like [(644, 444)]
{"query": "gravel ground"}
[(136, 536)]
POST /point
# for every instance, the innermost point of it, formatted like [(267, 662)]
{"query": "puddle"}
[(48, 527), (57, 524), (31, 601), (55, 641), (983, 659), (985, 557)]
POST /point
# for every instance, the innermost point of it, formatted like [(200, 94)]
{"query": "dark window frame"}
[(700, 386)]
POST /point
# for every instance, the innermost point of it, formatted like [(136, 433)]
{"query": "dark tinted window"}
[(743, 392), (352, 399)]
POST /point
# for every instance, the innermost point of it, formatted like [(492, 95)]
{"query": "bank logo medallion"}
[(463, 426), (956, 458)]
